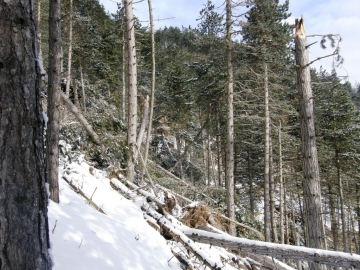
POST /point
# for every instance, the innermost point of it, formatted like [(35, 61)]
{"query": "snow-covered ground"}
[(84, 239)]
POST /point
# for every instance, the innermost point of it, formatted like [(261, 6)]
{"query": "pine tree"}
[(266, 38)]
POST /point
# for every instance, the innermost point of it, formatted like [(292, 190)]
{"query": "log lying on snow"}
[(144, 193), (77, 190), (183, 239), (165, 225), (332, 258)]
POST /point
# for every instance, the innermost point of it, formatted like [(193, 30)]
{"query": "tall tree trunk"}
[(152, 98), (208, 157), (68, 75), (267, 221), (76, 96), (219, 153), (342, 203), (281, 187), (53, 107), (358, 209), (83, 98), (334, 224), (286, 212), (123, 92), (230, 124), (251, 185), (272, 197), (311, 182), (178, 144), (144, 122), (24, 237), (38, 28), (132, 106)]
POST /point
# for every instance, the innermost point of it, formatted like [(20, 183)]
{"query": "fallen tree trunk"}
[(183, 239), (72, 108), (144, 193), (332, 258), (77, 190), (221, 216)]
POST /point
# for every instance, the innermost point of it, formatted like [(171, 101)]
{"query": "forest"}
[(231, 108)]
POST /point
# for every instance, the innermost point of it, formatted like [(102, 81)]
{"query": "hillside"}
[(83, 238)]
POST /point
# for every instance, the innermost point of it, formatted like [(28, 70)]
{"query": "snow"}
[(82, 238)]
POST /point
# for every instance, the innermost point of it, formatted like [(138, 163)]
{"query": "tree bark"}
[(281, 187), (334, 223), (153, 70), (267, 214), (208, 150), (219, 154), (53, 106), (251, 185), (83, 98), (178, 148), (76, 96), (24, 237), (143, 125), (342, 203), (68, 75), (230, 124), (311, 181), (132, 105), (123, 93), (272, 198), (38, 29)]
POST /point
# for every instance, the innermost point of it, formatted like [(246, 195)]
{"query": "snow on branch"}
[(333, 258)]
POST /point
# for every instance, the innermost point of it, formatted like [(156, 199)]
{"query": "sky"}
[(322, 17)]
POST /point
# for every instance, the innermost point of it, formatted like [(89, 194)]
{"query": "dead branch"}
[(77, 190)]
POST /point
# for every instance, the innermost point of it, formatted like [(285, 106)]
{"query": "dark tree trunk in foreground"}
[(24, 239), (53, 110), (311, 182)]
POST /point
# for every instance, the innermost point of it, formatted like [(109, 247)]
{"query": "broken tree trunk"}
[(72, 108), (311, 181)]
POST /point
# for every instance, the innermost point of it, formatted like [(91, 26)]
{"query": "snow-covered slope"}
[(84, 239)]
